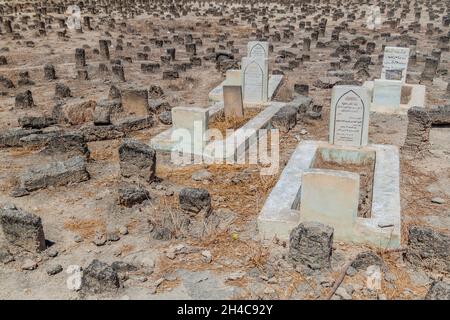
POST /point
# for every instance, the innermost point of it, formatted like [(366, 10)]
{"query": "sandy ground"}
[(90, 206)]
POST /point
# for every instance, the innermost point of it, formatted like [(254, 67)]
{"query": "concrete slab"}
[(416, 97), (381, 229), (216, 95), (330, 197)]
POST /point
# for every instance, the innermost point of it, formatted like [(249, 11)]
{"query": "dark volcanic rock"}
[(137, 160), (99, 277), (195, 200), (22, 229), (311, 245)]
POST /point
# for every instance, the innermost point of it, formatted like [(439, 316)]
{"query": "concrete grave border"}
[(216, 94), (280, 212), (163, 141), (417, 99)]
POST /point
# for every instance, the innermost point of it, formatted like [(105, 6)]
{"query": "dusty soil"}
[(241, 266)]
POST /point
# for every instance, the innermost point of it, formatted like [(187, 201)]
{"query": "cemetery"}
[(260, 150)]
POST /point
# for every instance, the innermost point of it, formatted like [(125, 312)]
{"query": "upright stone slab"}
[(349, 116), (258, 49), (137, 160), (386, 95), (395, 60), (255, 79), (330, 197), (135, 101), (233, 77), (232, 101), (190, 125)]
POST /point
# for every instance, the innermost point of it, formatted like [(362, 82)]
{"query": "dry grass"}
[(223, 248), (245, 197), (85, 228), (223, 123), (402, 282), (416, 197)]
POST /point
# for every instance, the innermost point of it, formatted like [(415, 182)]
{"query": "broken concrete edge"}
[(417, 99), (164, 142), (216, 94), (280, 214)]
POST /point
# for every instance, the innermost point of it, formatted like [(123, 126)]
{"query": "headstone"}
[(331, 197), (395, 60), (387, 94), (189, 128), (233, 77), (232, 100), (255, 79), (349, 116), (258, 49), (186, 117)]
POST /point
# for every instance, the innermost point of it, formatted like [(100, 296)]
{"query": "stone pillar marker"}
[(395, 59), (349, 116), (232, 95), (104, 49), (417, 139), (80, 58), (232, 100)]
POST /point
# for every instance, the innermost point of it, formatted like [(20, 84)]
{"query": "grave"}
[(347, 183), (231, 147), (391, 94), (258, 87)]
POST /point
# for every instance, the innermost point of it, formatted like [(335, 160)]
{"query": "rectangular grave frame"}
[(417, 99), (216, 94), (280, 214), (163, 142)]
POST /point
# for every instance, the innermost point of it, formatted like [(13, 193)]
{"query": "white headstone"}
[(255, 79), (190, 124), (395, 58), (258, 49), (186, 117), (386, 95), (349, 116)]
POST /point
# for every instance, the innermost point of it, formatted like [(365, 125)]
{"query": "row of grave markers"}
[(350, 105), (251, 84)]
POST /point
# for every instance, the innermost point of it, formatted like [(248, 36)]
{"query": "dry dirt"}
[(86, 208)]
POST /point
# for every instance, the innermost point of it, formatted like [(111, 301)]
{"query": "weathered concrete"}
[(216, 95), (382, 228), (412, 95)]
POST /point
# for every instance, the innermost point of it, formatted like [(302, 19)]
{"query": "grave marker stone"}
[(349, 116), (395, 61), (255, 79), (387, 94), (258, 49)]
